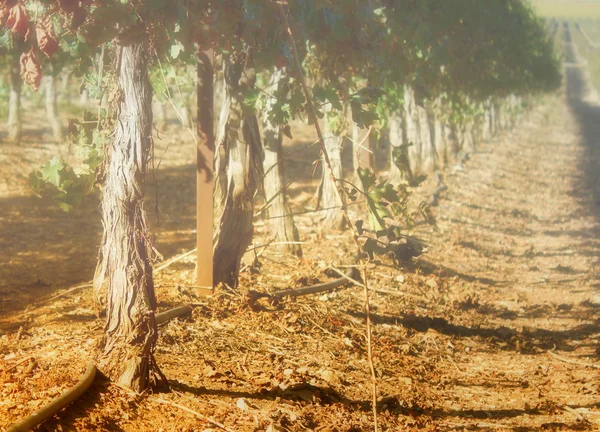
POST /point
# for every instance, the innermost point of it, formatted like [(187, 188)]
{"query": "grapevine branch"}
[(338, 192)]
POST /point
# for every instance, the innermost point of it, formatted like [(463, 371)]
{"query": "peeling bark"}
[(458, 140), (485, 125), (14, 102), (221, 105), (499, 117), (438, 137), (412, 125), (279, 212), (469, 137), (327, 198), (51, 106), (428, 151), (396, 137), (492, 119), (412, 130), (126, 355), (241, 137)]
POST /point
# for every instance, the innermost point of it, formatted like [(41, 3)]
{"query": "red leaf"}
[(46, 40), (18, 21), (31, 70)]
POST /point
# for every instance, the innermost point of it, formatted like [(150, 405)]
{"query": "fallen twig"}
[(18, 364), (396, 293), (575, 413), (256, 255), (574, 362), (196, 413), (173, 260), (64, 293), (348, 275)]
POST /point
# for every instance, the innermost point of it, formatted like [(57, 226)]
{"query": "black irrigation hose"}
[(313, 289), (168, 315), (60, 402), (47, 411)]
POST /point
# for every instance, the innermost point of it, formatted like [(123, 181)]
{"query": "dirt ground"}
[(496, 327)]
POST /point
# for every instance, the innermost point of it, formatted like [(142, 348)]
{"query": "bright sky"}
[(567, 8)]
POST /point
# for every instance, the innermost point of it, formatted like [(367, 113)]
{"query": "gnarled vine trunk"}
[(485, 124), (241, 137), (412, 130), (438, 138), (429, 156), (51, 106), (126, 354), (327, 198), (411, 125), (457, 141), (279, 212), (492, 118), (14, 101), (221, 104), (397, 139)]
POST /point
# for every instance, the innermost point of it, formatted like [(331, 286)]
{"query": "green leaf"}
[(250, 99), (176, 49), (367, 178), (36, 183), (368, 95), (327, 94), (51, 172), (368, 118)]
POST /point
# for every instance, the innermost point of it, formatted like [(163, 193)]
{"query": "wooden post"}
[(204, 165)]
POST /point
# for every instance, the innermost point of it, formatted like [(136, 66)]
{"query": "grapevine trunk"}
[(51, 106), (14, 103), (126, 356), (280, 213), (239, 135)]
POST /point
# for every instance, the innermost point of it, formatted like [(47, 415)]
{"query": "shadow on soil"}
[(307, 394), (531, 340), (43, 249)]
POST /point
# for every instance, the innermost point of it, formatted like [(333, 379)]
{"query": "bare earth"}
[(496, 327)]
